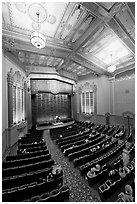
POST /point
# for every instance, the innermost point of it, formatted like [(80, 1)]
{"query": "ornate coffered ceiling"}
[(81, 38)]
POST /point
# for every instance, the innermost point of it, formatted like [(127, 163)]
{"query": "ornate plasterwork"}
[(87, 87), (16, 77)]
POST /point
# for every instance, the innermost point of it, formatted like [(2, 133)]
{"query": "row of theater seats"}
[(115, 163), (26, 161), (35, 144), (76, 147), (87, 147), (76, 137), (68, 131), (79, 155), (27, 178), (56, 195), (17, 170), (31, 149), (26, 174), (89, 157), (27, 155), (110, 186), (101, 160), (72, 139), (29, 190)]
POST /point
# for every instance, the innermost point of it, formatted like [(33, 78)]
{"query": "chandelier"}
[(37, 38), (111, 68)]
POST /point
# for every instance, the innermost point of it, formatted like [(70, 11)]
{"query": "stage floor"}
[(48, 127)]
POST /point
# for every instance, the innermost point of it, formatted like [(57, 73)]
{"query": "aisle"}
[(79, 189)]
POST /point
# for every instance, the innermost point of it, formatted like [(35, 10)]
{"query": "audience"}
[(119, 134), (128, 195), (123, 171), (94, 170), (125, 157), (114, 175)]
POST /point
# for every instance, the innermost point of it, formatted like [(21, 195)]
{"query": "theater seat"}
[(35, 199), (44, 197), (64, 193), (54, 196)]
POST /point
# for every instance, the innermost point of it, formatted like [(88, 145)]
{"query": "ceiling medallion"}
[(37, 8), (35, 26), (51, 19)]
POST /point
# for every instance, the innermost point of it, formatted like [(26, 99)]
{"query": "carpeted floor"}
[(79, 189)]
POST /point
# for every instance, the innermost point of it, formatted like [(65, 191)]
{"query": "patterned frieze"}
[(87, 87)]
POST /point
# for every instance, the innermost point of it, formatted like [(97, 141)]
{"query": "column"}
[(10, 104), (85, 101), (112, 102)]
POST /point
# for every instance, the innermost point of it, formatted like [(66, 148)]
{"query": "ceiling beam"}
[(86, 63), (27, 47), (126, 68)]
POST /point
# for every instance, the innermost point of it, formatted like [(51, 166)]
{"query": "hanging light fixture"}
[(111, 68), (37, 38)]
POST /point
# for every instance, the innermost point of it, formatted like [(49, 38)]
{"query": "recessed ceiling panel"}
[(26, 18), (127, 21), (112, 52)]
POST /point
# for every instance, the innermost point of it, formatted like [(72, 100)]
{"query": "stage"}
[(54, 125)]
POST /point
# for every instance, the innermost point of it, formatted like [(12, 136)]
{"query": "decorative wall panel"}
[(46, 106), (16, 99), (53, 86)]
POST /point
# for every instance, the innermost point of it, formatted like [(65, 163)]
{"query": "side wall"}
[(103, 95), (10, 135), (113, 96), (124, 96)]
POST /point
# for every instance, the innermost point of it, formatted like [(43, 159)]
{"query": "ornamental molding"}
[(16, 78), (87, 87)]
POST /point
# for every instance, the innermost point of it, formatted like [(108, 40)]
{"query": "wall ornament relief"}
[(87, 87), (16, 78)]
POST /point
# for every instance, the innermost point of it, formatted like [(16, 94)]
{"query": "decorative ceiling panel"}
[(77, 69), (33, 59), (51, 14), (106, 49), (72, 21), (127, 21), (81, 37), (112, 52), (85, 24)]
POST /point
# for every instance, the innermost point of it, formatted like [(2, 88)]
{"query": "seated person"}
[(114, 175), (24, 151), (49, 176), (98, 147), (86, 130), (91, 173), (91, 135), (127, 196), (60, 136), (92, 150), (98, 168), (123, 171), (129, 193), (119, 134), (125, 157), (86, 140)]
